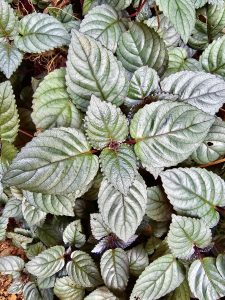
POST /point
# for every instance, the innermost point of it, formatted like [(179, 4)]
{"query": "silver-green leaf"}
[(88, 74), (57, 161), (98, 227), (40, 32), (142, 46), (138, 259), (195, 192), (11, 264), (52, 106), (105, 123), (101, 293), (115, 269), (32, 214), (162, 276), (8, 20), (123, 213), (47, 263), (66, 289), (167, 132), (73, 234)]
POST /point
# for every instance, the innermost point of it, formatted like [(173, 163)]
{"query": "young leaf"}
[(158, 207), (52, 106), (115, 269), (73, 234), (179, 61), (209, 282), (65, 289), (34, 250), (187, 233), (10, 58), (60, 205), (166, 30), (82, 270), (9, 122), (104, 24), (161, 277), (47, 263), (142, 46), (98, 228), (88, 74), (123, 214), (31, 214), (105, 123), (119, 166), (101, 293), (203, 90), (19, 240), (13, 209), (213, 146), (143, 82), (11, 264), (8, 153), (181, 14), (57, 161), (182, 292), (168, 132), (39, 33), (195, 192), (8, 20), (138, 260), (213, 58)]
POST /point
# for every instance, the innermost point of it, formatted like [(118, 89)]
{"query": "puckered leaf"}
[(158, 207), (7, 153), (10, 58), (209, 279), (213, 58), (73, 234), (203, 90), (19, 240), (98, 227), (119, 167), (59, 205), (3, 226), (9, 116), (115, 269), (8, 20), (57, 161), (141, 46), (30, 291), (213, 146), (166, 30), (52, 106), (13, 209), (179, 61), (199, 3), (47, 263), (181, 14), (161, 277), (88, 74), (195, 192), (105, 123), (32, 214), (34, 250), (167, 132), (46, 283), (123, 213), (117, 4), (82, 270), (101, 293), (138, 260), (187, 233), (143, 82), (66, 289), (182, 292), (11, 264), (40, 32), (104, 24)]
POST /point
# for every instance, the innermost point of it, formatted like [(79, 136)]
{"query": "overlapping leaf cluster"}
[(114, 197)]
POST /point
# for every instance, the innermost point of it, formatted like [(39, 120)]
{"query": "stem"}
[(212, 163), (138, 9), (220, 210), (26, 133), (130, 142), (157, 15)]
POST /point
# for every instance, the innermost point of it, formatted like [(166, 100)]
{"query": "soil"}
[(6, 248)]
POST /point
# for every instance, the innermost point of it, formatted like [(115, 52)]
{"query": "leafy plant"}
[(112, 139)]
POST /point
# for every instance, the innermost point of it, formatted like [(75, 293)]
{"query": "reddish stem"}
[(26, 133), (130, 142), (138, 9)]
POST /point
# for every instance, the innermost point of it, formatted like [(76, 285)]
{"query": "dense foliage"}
[(112, 144)]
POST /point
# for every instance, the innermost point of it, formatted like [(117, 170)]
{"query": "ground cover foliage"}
[(112, 139)]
